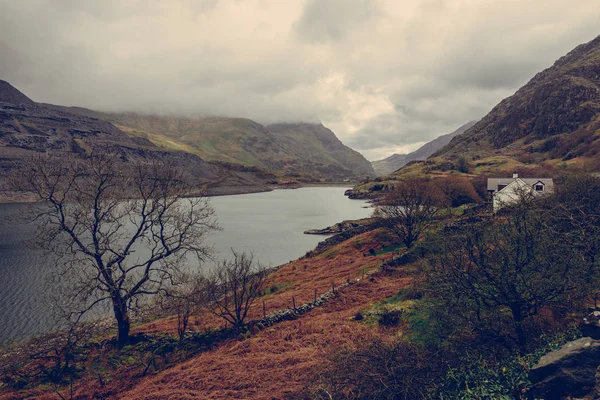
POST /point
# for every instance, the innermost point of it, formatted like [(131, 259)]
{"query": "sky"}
[(385, 75)]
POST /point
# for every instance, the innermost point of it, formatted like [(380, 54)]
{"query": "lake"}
[(270, 225)]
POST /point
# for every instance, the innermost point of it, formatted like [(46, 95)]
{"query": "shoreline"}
[(143, 316), (316, 225), (28, 198)]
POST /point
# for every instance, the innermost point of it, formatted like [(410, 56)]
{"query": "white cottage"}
[(505, 191)]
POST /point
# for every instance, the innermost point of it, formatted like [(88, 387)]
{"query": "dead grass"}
[(307, 274), (272, 362), (276, 361)]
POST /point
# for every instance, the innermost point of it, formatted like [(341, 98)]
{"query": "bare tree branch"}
[(117, 231)]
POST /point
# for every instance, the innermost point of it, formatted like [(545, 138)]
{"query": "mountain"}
[(28, 128), (224, 155), (389, 164), (555, 117), (317, 144), (10, 95), (551, 122), (397, 161), (27, 125), (306, 152)]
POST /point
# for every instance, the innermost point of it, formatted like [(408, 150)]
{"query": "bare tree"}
[(497, 275), (410, 208), (185, 299), (458, 190), (574, 216), (234, 287), (117, 231)]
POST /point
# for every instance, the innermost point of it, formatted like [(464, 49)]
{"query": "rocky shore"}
[(340, 227)]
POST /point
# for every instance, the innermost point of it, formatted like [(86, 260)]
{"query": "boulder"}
[(590, 326), (567, 372), (597, 390), (338, 228)]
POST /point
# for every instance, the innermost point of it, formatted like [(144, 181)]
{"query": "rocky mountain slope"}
[(224, 155), (397, 161), (556, 115), (318, 145), (306, 152), (551, 124), (28, 128), (389, 164)]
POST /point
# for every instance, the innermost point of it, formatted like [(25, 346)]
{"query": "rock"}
[(340, 227), (591, 325), (569, 371), (597, 389), (332, 230)]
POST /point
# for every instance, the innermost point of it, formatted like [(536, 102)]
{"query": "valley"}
[(222, 155), (182, 225)]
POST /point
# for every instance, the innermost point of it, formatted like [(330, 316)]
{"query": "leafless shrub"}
[(185, 299), (234, 287), (410, 209), (376, 369)]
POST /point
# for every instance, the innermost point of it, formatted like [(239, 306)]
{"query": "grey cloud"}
[(332, 20), (380, 73), (386, 130)]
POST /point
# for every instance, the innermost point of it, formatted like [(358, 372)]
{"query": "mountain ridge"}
[(549, 126), (303, 151), (28, 128), (560, 100), (297, 150), (239, 155), (10, 94), (397, 161)]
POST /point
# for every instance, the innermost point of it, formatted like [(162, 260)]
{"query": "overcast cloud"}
[(384, 75)]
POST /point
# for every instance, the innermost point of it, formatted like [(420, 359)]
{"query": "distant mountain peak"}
[(395, 155), (287, 125), (397, 161), (9, 94)]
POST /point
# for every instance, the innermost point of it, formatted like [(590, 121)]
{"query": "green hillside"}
[(307, 152)]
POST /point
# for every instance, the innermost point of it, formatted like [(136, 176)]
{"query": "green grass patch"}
[(456, 211), (389, 249), (391, 311), (275, 288), (407, 296), (329, 254)]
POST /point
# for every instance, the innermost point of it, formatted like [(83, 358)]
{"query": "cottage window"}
[(539, 188)]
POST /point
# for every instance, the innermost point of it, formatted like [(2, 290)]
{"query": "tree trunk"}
[(518, 324), (183, 318), (408, 240), (123, 323)]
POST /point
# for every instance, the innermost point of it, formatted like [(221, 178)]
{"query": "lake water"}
[(270, 225)]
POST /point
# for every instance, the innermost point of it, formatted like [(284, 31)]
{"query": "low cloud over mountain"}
[(385, 75)]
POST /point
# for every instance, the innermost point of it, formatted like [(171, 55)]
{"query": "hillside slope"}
[(552, 123), (271, 362), (303, 151), (317, 144), (554, 116), (389, 164), (397, 161), (28, 128)]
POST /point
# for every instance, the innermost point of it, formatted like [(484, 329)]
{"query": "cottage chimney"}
[(515, 175)]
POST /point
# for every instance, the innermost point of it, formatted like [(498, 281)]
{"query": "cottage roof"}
[(493, 183)]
